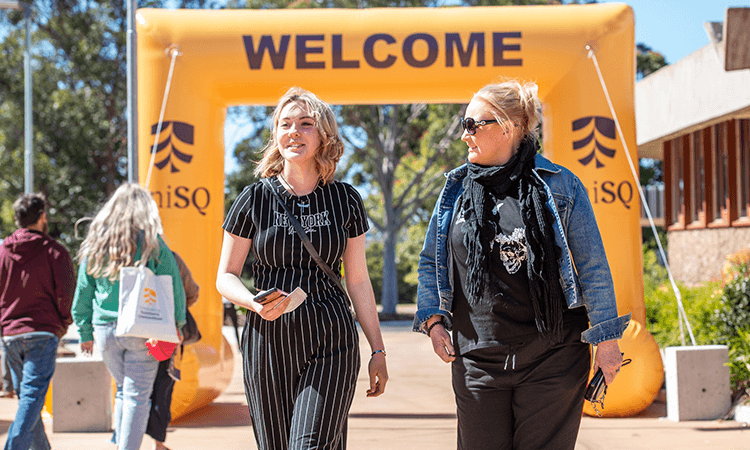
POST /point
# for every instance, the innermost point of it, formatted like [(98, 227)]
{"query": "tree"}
[(247, 151), (397, 155), (79, 102), (80, 122), (648, 61), (407, 261), (79, 97), (651, 171), (406, 150)]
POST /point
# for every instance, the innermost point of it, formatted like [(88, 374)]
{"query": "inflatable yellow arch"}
[(376, 56)]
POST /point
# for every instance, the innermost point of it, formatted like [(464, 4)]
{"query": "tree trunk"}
[(389, 296)]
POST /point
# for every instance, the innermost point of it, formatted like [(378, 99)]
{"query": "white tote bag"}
[(146, 305)]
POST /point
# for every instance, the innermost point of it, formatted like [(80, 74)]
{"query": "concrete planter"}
[(697, 381), (742, 413)]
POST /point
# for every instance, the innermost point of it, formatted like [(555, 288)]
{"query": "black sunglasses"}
[(470, 125)]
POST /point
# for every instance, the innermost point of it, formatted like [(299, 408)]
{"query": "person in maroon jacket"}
[(37, 282)]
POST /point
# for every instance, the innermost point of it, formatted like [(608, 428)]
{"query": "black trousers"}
[(526, 397), (161, 403), (300, 372)]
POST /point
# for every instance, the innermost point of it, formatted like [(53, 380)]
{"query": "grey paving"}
[(416, 412)]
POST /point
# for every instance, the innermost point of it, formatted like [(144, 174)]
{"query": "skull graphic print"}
[(512, 249)]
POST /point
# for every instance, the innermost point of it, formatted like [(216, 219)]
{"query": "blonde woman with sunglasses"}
[(511, 257)]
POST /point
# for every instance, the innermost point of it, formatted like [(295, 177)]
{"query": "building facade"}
[(695, 116)]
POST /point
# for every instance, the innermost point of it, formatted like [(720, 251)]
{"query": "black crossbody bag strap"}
[(305, 240)]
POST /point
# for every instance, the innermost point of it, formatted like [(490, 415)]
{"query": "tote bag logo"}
[(594, 136), (177, 133), (146, 306), (149, 296)]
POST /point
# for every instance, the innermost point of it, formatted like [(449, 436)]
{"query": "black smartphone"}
[(262, 297), (596, 388)]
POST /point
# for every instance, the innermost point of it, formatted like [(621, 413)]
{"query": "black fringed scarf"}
[(542, 264)]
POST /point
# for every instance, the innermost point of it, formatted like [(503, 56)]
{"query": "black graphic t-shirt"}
[(330, 215), (505, 315)]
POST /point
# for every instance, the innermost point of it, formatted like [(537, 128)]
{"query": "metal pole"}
[(132, 40), (28, 127)]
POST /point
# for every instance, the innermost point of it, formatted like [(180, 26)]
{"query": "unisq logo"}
[(178, 133), (149, 296), (171, 152), (594, 136)]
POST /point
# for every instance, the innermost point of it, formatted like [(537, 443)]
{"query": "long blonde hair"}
[(129, 216), (331, 144), (513, 102)]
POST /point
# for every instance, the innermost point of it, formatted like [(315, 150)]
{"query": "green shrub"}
[(654, 274), (732, 319), (739, 363), (718, 312), (733, 315), (700, 304)]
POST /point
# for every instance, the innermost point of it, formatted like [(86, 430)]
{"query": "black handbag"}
[(190, 332), (305, 240)]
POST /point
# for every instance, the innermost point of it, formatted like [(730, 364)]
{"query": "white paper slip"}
[(296, 298)]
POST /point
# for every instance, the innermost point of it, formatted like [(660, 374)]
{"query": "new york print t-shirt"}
[(331, 214)]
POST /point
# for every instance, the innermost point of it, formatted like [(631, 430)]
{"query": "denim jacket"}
[(587, 283)]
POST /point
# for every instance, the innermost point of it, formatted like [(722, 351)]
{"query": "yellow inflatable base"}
[(638, 383), (206, 372)]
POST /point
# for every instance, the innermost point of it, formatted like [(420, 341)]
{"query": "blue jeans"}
[(133, 370), (32, 363), (5, 370)]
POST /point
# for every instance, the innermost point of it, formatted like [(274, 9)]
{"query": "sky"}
[(674, 28)]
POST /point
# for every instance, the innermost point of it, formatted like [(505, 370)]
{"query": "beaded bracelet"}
[(378, 351), (429, 329)]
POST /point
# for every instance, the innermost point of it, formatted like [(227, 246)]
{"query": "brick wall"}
[(696, 256)]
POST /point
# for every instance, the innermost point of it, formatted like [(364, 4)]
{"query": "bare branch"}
[(346, 139), (379, 225), (416, 110)]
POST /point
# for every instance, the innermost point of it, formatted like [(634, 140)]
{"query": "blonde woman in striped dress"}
[(300, 368)]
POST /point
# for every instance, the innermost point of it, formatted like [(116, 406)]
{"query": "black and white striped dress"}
[(300, 370)]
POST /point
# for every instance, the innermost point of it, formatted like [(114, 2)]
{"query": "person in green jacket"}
[(125, 232)]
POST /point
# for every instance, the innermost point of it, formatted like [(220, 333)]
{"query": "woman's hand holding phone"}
[(270, 295), (271, 303)]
